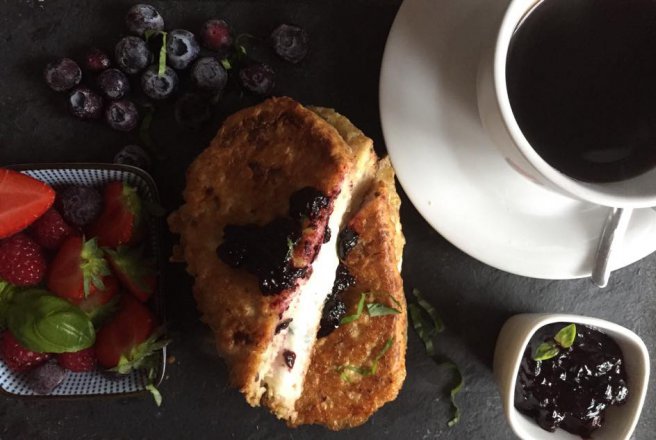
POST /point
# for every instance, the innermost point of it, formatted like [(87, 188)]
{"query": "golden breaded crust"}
[(260, 156), (327, 398)]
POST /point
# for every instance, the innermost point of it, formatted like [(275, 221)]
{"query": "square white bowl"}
[(95, 383), (620, 421)]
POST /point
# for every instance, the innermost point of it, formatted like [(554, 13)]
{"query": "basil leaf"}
[(48, 324), (438, 324), (428, 324), (157, 396), (350, 318), (377, 309), (225, 62), (566, 336), (398, 304), (545, 351), (459, 383), (362, 370), (6, 294), (162, 51), (162, 56)]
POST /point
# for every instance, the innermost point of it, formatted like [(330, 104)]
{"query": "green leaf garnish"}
[(162, 56), (427, 323), (546, 350), (362, 370), (398, 304), (155, 393), (550, 349), (377, 309), (46, 323), (225, 62), (6, 294), (438, 324), (142, 355), (565, 337), (162, 51), (350, 318), (459, 382)]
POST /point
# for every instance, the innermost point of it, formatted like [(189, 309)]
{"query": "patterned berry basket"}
[(96, 384)]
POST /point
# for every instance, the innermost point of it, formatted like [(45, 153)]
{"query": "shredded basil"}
[(428, 325), (363, 370), (155, 393), (378, 309), (350, 318), (373, 309), (162, 51)]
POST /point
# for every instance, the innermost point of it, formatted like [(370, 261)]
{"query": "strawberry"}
[(135, 273), (21, 261), (121, 220), (50, 230), (23, 199), (17, 357), (79, 361), (80, 272), (128, 339)]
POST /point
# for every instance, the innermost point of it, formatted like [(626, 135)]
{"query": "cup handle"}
[(611, 238)]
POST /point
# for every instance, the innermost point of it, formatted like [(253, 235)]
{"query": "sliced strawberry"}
[(80, 271), (136, 273), (121, 221), (23, 199), (128, 339)]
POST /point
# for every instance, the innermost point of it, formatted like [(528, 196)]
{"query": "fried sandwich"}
[(268, 206)]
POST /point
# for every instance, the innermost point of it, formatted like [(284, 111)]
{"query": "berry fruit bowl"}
[(98, 383)]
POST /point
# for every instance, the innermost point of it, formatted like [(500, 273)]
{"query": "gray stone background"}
[(348, 38)]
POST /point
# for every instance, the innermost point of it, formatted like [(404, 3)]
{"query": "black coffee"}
[(581, 77)]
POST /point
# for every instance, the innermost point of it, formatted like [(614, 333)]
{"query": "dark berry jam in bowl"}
[(525, 332)]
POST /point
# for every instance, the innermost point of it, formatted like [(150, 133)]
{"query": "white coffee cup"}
[(498, 119)]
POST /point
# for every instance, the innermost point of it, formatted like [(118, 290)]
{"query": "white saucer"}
[(452, 172)]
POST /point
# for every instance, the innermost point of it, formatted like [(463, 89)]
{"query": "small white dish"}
[(454, 174), (512, 341)]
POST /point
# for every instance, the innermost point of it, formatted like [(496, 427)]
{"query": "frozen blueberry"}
[(133, 155), (215, 35), (141, 18), (132, 54), (96, 60), (208, 73), (290, 42), (46, 377), (122, 115), (181, 48), (62, 74), (79, 205), (113, 83), (258, 78), (191, 110), (156, 86), (84, 103)]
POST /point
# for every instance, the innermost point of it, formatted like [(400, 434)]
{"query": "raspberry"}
[(215, 35), (21, 261), (50, 230), (17, 357), (84, 360)]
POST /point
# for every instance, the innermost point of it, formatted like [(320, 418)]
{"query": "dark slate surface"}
[(341, 71)]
